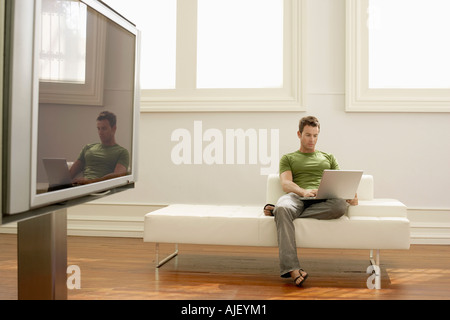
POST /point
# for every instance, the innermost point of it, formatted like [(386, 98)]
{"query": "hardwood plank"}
[(124, 268)]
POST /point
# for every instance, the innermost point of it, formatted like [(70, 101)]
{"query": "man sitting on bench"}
[(300, 175)]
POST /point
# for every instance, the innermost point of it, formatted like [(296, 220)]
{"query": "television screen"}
[(71, 102)]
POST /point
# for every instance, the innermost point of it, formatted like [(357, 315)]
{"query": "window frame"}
[(186, 97), (361, 98)]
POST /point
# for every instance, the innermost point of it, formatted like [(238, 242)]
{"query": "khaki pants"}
[(290, 207)]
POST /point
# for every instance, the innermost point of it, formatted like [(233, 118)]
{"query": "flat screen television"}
[(68, 65)]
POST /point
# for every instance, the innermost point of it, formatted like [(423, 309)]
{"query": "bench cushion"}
[(204, 224), (378, 208)]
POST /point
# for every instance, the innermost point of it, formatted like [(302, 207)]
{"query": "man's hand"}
[(309, 193), (354, 201), (80, 181)]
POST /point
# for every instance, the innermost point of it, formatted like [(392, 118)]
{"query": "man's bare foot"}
[(299, 276), (268, 209)]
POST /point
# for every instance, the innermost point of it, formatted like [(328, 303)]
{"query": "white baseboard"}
[(103, 220), (428, 226), (108, 220)]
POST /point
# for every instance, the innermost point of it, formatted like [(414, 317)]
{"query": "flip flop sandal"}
[(269, 204), (300, 276)]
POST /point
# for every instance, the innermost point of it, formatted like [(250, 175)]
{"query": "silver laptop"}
[(58, 173), (335, 184)]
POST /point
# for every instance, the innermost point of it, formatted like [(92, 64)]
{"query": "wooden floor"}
[(124, 268)]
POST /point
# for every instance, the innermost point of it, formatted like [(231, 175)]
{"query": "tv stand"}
[(42, 248), (42, 257)]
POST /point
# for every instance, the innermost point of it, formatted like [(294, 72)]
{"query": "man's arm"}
[(119, 171), (289, 185), (76, 168)]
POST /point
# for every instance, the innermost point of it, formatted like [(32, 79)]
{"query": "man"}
[(104, 160), (300, 175)]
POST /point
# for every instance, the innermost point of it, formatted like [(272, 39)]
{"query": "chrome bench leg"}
[(166, 259)]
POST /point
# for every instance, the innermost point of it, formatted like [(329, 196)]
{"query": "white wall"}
[(408, 153)]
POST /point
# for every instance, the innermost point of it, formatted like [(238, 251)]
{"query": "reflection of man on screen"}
[(104, 160)]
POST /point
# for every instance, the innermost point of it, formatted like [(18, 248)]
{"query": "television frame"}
[(21, 107)]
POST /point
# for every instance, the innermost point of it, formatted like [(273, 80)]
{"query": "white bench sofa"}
[(374, 224)]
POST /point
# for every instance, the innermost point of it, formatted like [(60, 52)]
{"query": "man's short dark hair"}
[(308, 121), (106, 115)]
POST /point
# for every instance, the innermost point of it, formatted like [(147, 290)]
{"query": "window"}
[(233, 52), (397, 55), (157, 21), (411, 53), (71, 69), (218, 55), (63, 42)]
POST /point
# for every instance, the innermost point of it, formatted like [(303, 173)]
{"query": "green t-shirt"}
[(100, 160), (307, 168)]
